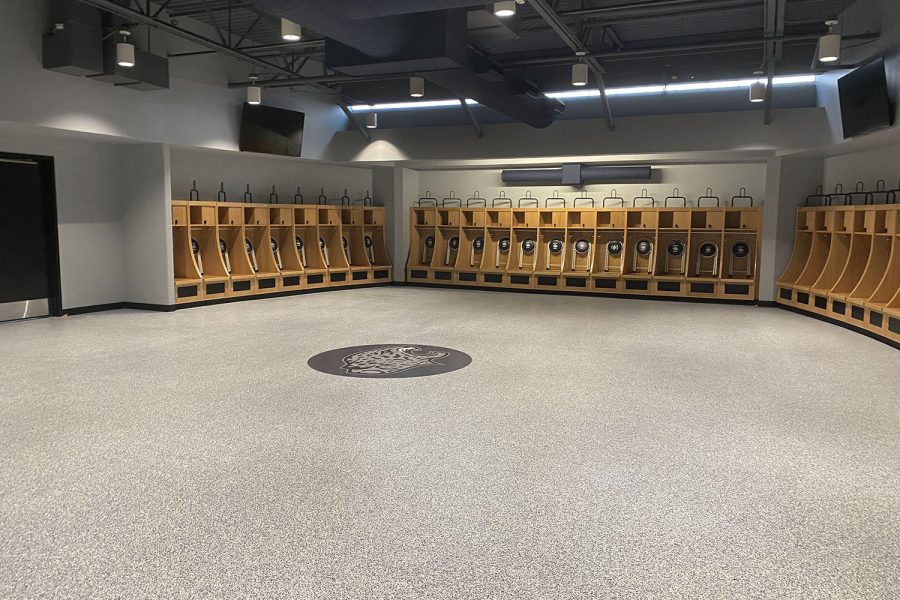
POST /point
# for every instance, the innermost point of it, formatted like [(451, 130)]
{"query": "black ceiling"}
[(636, 41)]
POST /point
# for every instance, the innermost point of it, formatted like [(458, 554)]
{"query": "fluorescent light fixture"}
[(640, 90), (579, 74), (507, 8), (371, 120), (290, 31), (416, 87), (830, 44), (362, 108), (124, 50), (254, 92)]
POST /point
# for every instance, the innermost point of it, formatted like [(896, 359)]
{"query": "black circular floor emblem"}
[(429, 242), (387, 361), (614, 247), (528, 245), (708, 250), (454, 242), (582, 246), (298, 242), (555, 245), (478, 243), (675, 248), (643, 247), (503, 244), (740, 249)]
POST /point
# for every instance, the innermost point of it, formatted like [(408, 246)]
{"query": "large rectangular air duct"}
[(576, 174)]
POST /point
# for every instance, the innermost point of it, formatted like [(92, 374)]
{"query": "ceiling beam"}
[(575, 43), (354, 121), (663, 50), (774, 27), (142, 19), (478, 131)]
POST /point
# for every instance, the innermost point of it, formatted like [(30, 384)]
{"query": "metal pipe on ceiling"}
[(666, 6), (662, 50)]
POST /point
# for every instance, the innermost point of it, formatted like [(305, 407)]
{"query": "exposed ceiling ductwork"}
[(427, 36)]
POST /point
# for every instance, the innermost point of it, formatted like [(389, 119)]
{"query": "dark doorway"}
[(29, 246)]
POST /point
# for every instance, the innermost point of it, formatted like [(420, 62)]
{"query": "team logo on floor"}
[(389, 360)]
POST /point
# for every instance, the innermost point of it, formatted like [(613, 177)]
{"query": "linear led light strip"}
[(643, 90)]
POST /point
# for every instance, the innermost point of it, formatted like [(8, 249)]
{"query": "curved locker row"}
[(846, 266)]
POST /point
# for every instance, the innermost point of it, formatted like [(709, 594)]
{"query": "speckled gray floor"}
[(595, 448)]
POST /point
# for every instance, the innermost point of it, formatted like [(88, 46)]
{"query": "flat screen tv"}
[(270, 130), (865, 104)]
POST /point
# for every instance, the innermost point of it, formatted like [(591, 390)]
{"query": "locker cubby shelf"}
[(221, 231), (589, 266), (846, 266)]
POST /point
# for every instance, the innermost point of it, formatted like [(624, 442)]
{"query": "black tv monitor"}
[(270, 130), (865, 104)]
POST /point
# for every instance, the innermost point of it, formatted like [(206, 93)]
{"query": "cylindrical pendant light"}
[(254, 92), (371, 120), (124, 50), (758, 88), (507, 8), (416, 87), (290, 31), (830, 44), (580, 71)]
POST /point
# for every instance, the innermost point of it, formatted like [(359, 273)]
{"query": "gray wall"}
[(146, 223), (236, 171)]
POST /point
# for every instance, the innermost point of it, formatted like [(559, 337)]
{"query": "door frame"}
[(48, 198)]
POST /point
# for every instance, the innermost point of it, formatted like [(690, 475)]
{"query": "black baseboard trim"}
[(83, 310), (853, 328), (278, 295), (577, 293), (767, 303)]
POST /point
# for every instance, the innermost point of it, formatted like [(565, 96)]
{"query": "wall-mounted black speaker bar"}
[(576, 175)]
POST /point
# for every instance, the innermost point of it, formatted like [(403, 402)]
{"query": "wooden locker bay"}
[(845, 266), (657, 251), (233, 249)]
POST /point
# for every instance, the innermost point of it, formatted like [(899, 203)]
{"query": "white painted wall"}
[(867, 166), (691, 180), (791, 130), (144, 184), (237, 170)]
